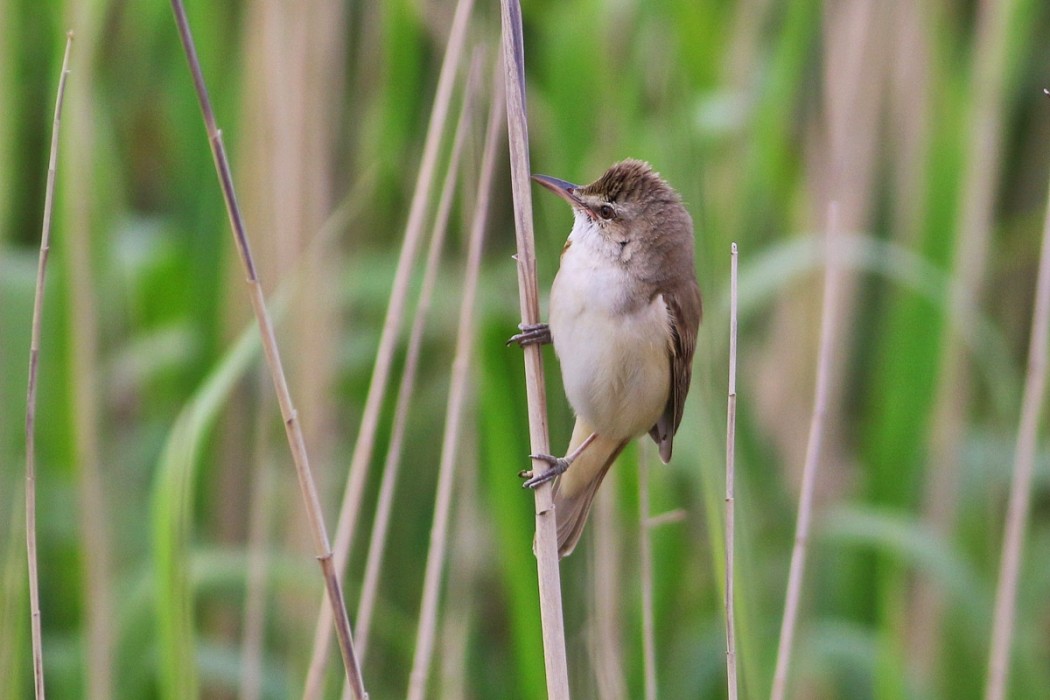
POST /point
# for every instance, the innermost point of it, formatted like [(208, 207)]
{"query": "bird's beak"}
[(565, 190)]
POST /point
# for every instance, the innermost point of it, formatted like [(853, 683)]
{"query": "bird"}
[(624, 312)]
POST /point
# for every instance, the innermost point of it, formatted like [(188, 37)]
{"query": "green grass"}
[(730, 105)]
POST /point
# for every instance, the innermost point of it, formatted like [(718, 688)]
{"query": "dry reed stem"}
[(293, 430), (546, 530), (605, 602), (731, 673), (255, 610), (813, 447), (952, 397), (645, 555), (81, 304), (352, 494), (454, 411), (381, 521), (260, 517), (1019, 507), (469, 545), (34, 358), (262, 496)]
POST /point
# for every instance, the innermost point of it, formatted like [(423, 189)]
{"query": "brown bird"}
[(624, 312)]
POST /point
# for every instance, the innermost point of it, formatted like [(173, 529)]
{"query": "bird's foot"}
[(531, 334), (558, 466)]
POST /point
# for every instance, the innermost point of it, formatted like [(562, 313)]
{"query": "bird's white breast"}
[(613, 347)]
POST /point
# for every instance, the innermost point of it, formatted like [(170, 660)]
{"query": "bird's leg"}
[(531, 334), (558, 464)]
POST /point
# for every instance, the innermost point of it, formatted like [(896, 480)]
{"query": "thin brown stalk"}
[(731, 673), (605, 601), (457, 399), (81, 212), (259, 522), (645, 552), (813, 447), (469, 545), (546, 530), (380, 525), (1020, 504), (414, 229), (953, 395), (262, 493), (34, 357), (293, 430)]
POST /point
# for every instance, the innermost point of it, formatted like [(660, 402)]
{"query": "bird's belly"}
[(615, 365)]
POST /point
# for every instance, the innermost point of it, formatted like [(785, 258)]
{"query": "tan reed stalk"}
[(457, 399), (1020, 504), (976, 211), (260, 518), (645, 553), (34, 359), (262, 495), (731, 673), (649, 522), (470, 552), (546, 530), (80, 215), (813, 447), (293, 429), (603, 623), (352, 494), (381, 521), (605, 602)]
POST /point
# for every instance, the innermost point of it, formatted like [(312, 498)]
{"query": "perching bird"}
[(624, 313)]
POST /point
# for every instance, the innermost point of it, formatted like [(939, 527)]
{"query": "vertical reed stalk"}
[(546, 529), (813, 447), (976, 212), (645, 555), (384, 508), (731, 674), (1020, 503), (605, 602), (359, 461), (260, 517), (469, 541), (34, 358), (293, 429), (81, 214), (454, 412)]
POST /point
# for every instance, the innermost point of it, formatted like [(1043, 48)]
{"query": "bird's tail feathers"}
[(574, 490)]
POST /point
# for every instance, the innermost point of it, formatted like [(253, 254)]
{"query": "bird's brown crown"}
[(631, 181)]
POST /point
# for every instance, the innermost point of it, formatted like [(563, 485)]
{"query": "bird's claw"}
[(558, 467), (531, 334)]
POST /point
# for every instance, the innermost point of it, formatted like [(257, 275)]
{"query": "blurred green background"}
[(163, 474)]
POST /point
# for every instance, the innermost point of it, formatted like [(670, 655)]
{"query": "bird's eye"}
[(605, 211)]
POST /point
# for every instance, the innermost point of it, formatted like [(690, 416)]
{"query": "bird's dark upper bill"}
[(565, 190)]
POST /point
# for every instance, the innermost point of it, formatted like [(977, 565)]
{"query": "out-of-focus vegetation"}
[(160, 449)]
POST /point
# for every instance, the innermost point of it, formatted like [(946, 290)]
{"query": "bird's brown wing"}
[(685, 310)]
